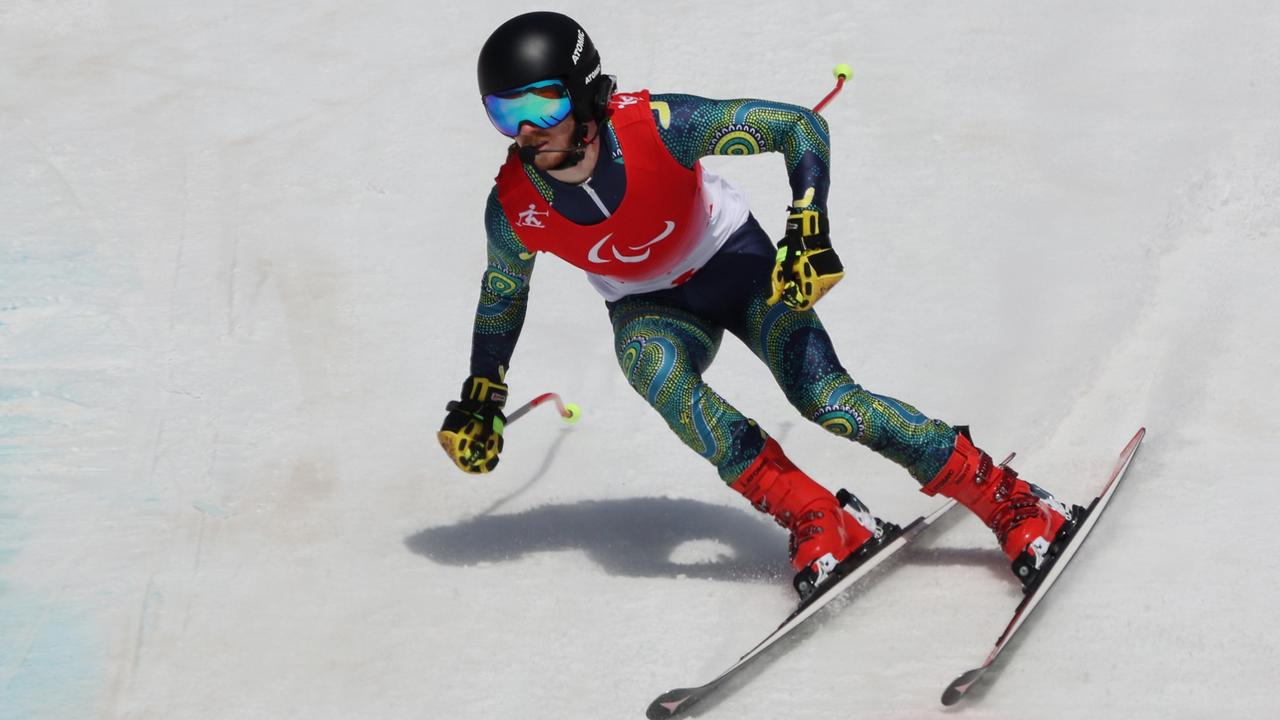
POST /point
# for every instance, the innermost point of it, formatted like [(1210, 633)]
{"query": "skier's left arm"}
[(694, 127)]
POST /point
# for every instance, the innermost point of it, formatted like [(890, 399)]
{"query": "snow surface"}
[(240, 245)]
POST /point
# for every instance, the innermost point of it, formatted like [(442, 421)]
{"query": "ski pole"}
[(842, 72), (570, 412)]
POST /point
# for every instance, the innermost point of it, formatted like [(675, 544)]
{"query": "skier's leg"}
[(663, 352), (798, 351)]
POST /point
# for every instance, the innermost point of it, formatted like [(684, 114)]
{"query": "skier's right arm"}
[(472, 430)]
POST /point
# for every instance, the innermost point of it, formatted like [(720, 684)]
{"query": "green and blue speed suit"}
[(667, 338)]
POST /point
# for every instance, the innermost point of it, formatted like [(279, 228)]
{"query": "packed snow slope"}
[(240, 246)]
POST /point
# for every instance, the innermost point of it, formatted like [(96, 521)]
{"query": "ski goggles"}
[(544, 104)]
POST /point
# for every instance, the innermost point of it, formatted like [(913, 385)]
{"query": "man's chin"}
[(548, 161)]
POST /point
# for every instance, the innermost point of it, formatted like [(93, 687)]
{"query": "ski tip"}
[(671, 703), (958, 687), (1132, 447)]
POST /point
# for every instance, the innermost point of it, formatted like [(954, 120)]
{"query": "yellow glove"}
[(472, 431), (806, 266)]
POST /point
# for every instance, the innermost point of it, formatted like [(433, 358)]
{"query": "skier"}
[(611, 182)]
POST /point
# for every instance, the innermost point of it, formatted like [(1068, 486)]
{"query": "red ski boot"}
[(823, 534), (1029, 523)]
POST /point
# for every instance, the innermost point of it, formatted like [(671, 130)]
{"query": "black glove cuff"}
[(484, 390), (462, 412), (810, 227)]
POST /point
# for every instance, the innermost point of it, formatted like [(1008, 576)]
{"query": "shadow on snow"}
[(632, 537), (637, 537)]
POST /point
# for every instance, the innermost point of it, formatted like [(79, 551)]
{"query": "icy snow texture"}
[(240, 245)]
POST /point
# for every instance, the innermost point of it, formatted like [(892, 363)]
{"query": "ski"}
[(675, 703), (1041, 585)]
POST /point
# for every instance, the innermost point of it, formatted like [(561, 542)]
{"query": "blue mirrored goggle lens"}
[(543, 103)]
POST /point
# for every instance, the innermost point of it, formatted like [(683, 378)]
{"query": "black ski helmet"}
[(543, 46)]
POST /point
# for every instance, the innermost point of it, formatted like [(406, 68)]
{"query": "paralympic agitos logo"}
[(594, 254)]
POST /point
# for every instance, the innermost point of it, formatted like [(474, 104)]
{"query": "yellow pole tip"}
[(573, 413), (842, 71)]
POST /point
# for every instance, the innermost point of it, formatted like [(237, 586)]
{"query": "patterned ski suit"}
[(681, 261)]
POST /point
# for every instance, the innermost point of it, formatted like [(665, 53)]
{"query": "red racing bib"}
[(660, 221)]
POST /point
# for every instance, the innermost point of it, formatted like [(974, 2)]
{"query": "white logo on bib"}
[(594, 254), (529, 218)]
